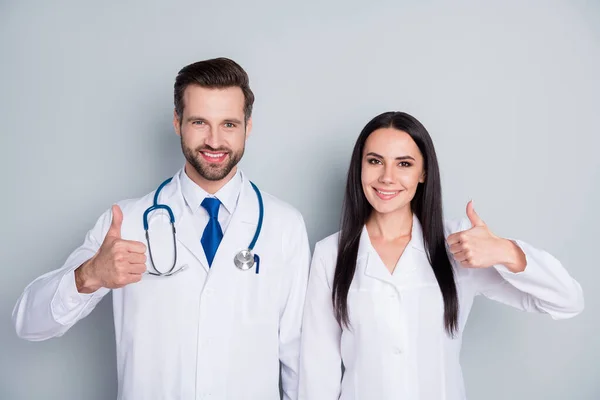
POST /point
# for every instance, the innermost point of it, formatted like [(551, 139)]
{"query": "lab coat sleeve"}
[(544, 286), (320, 356), (51, 304), (292, 305)]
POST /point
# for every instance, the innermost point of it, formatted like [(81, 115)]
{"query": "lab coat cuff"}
[(67, 300)]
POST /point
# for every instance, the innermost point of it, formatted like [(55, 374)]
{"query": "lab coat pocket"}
[(257, 295)]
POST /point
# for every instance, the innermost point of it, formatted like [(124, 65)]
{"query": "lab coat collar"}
[(416, 236), (194, 195), (371, 262), (416, 239)]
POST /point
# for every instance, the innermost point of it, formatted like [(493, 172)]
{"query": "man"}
[(189, 322)]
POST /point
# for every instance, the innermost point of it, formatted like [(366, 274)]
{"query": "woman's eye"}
[(405, 164), (373, 161)]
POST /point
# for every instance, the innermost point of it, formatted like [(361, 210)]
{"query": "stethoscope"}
[(244, 259)]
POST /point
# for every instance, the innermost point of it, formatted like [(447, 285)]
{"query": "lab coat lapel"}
[(241, 228), (367, 255), (408, 263), (188, 236), (186, 233)]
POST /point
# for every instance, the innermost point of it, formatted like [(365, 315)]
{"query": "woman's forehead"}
[(391, 142)]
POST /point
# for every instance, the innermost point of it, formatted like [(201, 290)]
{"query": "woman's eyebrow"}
[(401, 158)]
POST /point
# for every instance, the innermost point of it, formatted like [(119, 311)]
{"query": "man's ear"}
[(176, 123), (248, 127)]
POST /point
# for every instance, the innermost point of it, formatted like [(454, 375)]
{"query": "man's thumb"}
[(117, 220)]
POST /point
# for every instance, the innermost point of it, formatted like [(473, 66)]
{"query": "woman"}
[(389, 295)]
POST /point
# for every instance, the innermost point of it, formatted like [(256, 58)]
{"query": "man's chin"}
[(212, 173)]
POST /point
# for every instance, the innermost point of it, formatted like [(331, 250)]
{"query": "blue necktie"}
[(212, 233)]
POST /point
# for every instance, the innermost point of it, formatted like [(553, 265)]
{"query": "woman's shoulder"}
[(327, 246)]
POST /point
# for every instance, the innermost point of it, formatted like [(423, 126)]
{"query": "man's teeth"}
[(218, 155), (386, 193)]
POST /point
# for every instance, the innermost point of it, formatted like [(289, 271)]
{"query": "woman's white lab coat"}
[(217, 333), (397, 347)]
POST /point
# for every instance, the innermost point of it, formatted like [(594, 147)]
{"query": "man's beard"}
[(207, 170)]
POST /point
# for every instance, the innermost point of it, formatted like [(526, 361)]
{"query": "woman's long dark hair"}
[(426, 204)]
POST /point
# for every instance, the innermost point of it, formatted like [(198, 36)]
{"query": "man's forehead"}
[(233, 92), (214, 101)]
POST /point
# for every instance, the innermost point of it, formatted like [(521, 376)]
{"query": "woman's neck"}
[(390, 226)]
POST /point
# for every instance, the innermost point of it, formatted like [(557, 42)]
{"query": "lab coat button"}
[(397, 350), (209, 291)]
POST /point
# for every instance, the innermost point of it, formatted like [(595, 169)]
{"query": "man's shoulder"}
[(280, 208), (136, 205)]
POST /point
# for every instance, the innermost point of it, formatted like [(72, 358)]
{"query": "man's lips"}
[(214, 157)]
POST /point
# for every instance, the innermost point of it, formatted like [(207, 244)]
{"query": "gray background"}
[(509, 90)]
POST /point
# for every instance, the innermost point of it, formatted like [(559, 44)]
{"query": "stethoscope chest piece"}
[(244, 260)]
